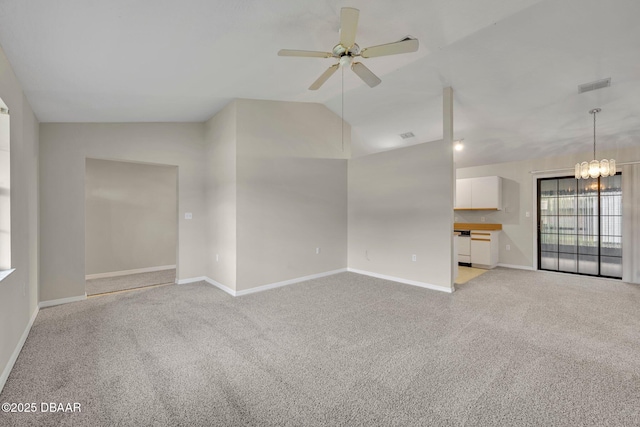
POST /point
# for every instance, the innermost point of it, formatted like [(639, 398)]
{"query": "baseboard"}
[(401, 280), (192, 280), (220, 286), (51, 303), (128, 272), (518, 267), (263, 287), (289, 282), (16, 351), (209, 281)]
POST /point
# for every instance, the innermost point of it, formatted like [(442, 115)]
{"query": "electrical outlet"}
[(482, 219), (317, 251), (188, 215), (414, 257), (508, 247)]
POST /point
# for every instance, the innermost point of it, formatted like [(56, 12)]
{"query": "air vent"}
[(4, 111), (598, 84), (407, 135)]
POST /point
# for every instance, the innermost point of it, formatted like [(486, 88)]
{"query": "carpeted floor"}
[(130, 281), (508, 348)]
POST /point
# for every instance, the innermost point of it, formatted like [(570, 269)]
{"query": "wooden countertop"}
[(476, 226)]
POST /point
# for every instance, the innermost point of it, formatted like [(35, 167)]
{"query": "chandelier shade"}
[(595, 168)]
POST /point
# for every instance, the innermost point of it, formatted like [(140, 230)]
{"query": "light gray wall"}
[(131, 216), (5, 190), (19, 291), (400, 204), (518, 197), (291, 191), (63, 150), (220, 137)]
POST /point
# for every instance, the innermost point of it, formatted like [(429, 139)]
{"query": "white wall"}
[(63, 150), (518, 197), (220, 137), (19, 291), (131, 216), (400, 204), (291, 191), (5, 189)]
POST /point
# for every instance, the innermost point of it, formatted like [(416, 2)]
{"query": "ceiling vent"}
[(598, 84), (407, 135)]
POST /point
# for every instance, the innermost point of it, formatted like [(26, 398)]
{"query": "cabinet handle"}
[(484, 240), (481, 234)]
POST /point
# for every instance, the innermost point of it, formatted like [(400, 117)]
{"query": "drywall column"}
[(447, 138), (220, 191)]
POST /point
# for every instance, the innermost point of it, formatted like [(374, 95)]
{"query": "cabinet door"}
[(481, 250), (486, 192), (463, 193)]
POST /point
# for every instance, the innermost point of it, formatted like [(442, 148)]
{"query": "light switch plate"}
[(188, 215)]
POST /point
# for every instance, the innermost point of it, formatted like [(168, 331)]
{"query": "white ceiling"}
[(514, 66)]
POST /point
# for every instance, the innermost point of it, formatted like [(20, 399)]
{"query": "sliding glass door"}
[(580, 225)]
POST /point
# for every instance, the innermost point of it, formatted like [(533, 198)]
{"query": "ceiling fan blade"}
[(365, 74), (305, 53), (348, 26), (403, 46), (324, 77)]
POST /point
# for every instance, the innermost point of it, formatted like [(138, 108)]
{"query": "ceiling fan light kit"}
[(347, 49), (595, 168)]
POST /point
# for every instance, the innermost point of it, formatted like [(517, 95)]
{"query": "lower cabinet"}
[(484, 249)]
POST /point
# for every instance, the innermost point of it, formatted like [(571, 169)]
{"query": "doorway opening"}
[(580, 225), (131, 225)]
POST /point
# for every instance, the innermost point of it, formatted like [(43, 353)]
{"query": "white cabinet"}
[(479, 193), (463, 193), (484, 248)]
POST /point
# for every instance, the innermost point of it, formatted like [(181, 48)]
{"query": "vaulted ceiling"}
[(514, 65)]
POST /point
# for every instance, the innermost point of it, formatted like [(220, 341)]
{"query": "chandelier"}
[(595, 168)]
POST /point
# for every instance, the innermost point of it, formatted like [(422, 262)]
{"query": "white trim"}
[(16, 351), (127, 272), (5, 273), (51, 303), (405, 281), (263, 287), (517, 267), (209, 281), (192, 280), (220, 286), (289, 282)]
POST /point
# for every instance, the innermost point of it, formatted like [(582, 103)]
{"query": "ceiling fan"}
[(347, 50)]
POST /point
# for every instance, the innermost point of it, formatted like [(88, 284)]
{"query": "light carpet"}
[(130, 281), (508, 348)]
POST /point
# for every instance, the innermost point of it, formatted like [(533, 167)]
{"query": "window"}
[(5, 192), (580, 225)]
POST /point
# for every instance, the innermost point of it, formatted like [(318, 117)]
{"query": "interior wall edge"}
[(16, 352)]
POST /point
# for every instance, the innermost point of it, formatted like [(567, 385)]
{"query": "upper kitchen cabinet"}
[(484, 193)]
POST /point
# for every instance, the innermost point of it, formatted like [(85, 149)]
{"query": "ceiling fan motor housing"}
[(339, 50)]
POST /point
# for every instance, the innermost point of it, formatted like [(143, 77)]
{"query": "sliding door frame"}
[(537, 228)]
